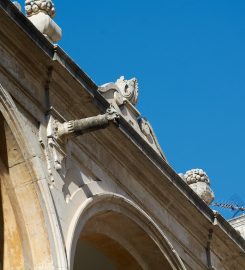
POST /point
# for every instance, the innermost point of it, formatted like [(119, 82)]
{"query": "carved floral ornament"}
[(33, 7)]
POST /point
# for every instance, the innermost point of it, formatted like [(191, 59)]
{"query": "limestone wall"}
[(104, 187), (239, 224)]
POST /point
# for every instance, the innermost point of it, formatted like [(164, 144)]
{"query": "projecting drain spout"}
[(79, 127)]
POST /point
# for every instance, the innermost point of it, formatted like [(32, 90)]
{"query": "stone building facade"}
[(239, 224), (84, 182)]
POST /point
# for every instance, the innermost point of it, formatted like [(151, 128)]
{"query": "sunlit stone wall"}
[(239, 224)]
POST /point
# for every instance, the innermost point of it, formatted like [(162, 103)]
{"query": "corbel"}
[(74, 128), (59, 133)]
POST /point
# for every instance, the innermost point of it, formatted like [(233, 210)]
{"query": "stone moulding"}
[(35, 196), (115, 203)]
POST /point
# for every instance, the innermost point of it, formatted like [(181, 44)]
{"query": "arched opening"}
[(114, 241), (11, 246), (3, 159), (24, 231), (89, 256)]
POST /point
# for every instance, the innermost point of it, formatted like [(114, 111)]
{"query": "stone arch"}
[(1, 227), (23, 215), (99, 219)]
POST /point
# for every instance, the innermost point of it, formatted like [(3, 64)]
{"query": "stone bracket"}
[(61, 131)]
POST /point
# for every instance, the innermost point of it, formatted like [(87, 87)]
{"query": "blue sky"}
[(189, 58)]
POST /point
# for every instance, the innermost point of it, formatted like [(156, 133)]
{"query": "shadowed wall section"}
[(11, 247), (122, 242), (89, 257), (3, 156), (1, 229)]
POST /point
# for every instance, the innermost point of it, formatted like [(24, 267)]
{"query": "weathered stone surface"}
[(199, 181), (123, 94), (85, 125), (129, 89), (40, 13), (239, 224), (111, 188), (33, 7)]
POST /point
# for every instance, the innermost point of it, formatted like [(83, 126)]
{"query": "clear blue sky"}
[(189, 58)]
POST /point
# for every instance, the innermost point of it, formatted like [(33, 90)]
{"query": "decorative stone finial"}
[(199, 181), (129, 89), (40, 13), (35, 6)]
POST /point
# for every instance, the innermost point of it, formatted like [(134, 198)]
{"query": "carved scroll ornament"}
[(147, 130), (129, 89), (123, 94)]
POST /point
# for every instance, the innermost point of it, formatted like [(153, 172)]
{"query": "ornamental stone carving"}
[(129, 89), (195, 176), (33, 7), (82, 126), (58, 135), (40, 13), (123, 91), (148, 132), (199, 181), (123, 95)]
